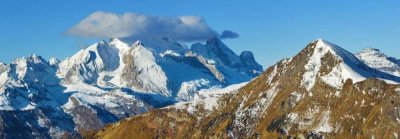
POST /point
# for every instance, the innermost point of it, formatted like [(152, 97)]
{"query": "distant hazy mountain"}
[(109, 81), (322, 92)]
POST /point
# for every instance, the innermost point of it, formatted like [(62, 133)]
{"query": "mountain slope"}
[(322, 91), (102, 84)]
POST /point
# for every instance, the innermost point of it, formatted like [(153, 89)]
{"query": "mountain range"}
[(322, 92), (109, 81), (164, 88)]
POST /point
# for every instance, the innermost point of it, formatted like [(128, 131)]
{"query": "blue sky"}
[(271, 29)]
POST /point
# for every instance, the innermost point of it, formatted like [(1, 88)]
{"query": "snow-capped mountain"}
[(176, 72), (345, 66), (324, 91), (378, 60), (36, 104), (109, 81)]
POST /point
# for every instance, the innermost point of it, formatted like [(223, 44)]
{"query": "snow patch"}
[(207, 98), (170, 53), (188, 89), (324, 125), (272, 75), (397, 90), (314, 64)]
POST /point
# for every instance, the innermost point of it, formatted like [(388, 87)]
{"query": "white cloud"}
[(138, 26)]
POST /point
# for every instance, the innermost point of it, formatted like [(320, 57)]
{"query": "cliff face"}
[(324, 91)]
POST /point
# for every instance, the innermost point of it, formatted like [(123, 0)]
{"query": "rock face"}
[(324, 91), (248, 60), (218, 54), (104, 83)]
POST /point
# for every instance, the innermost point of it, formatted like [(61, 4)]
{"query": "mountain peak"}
[(34, 58), (320, 40), (321, 47), (378, 60), (369, 50), (102, 42), (54, 61), (334, 65), (138, 43), (321, 43), (118, 44), (249, 61), (115, 39), (222, 55)]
